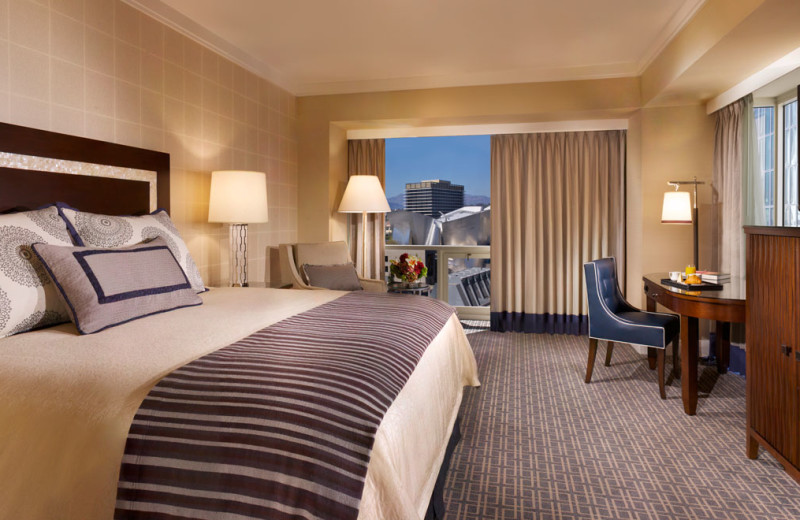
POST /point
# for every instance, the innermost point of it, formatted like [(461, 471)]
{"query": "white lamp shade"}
[(364, 194), (238, 197), (677, 208)]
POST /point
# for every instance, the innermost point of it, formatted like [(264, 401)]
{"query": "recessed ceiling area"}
[(785, 84), (322, 47)]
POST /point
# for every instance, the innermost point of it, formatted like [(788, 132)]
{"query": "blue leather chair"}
[(612, 319)]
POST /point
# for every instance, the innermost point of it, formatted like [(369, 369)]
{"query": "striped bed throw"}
[(280, 424)]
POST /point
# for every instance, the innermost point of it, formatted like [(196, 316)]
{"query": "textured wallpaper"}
[(101, 69)]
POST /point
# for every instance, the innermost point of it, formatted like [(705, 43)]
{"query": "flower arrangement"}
[(408, 268)]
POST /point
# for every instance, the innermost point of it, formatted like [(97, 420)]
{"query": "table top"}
[(399, 287), (730, 292)]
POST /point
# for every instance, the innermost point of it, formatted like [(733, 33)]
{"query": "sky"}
[(460, 159)]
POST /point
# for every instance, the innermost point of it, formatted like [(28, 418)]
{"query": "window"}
[(765, 130), (790, 210), (777, 148), (439, 192)]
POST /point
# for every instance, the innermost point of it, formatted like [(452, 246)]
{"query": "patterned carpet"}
[(540, 444)]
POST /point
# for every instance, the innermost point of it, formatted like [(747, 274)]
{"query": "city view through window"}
[(439, 192)]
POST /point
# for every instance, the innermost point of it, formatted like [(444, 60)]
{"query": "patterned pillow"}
[(28, 298), (107, 287), (92, 230)]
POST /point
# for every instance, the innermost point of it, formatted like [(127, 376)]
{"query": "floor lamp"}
[(678, 209), (238, 198), (364, 194)]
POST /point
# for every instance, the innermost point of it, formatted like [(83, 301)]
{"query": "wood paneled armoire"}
[(773, 344)]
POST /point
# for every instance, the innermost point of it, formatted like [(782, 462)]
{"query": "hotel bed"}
[(68, 400)]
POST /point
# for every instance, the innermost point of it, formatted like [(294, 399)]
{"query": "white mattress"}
[(68, 400)]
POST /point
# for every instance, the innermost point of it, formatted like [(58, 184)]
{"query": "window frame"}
[(778, 104), (777, 185)]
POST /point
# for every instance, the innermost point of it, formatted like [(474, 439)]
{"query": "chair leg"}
[(609, 351), (676, 357), (590, 362), (651, 357), (661, 388)]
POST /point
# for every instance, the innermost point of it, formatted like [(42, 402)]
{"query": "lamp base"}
[(238, 255)]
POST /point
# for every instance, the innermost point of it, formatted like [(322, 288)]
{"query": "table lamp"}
[(238, 198), (678, 209), (364, 194)]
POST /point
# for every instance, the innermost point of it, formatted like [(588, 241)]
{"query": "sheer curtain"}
[(558, 200), (367, 157), (752, 177), (738, 187)]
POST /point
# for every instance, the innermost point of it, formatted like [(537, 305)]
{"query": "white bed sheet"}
[(66, 403)]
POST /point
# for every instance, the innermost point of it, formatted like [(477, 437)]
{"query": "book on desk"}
[(714, 277)]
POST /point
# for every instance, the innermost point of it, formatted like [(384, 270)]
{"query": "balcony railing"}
[(459, 275)]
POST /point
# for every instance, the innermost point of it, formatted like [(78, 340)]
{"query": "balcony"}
[(459, 275)]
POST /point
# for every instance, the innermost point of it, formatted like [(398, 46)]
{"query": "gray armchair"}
[(293, 256)]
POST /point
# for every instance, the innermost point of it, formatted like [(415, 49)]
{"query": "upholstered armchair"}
[(611, 319), (294, 256)]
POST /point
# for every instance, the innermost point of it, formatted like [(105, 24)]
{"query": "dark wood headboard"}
[(24, 188)]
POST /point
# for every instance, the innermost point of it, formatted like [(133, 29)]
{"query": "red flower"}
[(403, 257)]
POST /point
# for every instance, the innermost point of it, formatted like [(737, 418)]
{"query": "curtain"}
[(752, 178), (558, 200), (367, 157), (733, 185)]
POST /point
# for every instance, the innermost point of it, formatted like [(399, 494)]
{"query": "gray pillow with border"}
[(337, 277), (95, 230), (103, 288)]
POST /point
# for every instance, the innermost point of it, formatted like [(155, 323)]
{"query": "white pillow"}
[(93, 230), (28, 297)]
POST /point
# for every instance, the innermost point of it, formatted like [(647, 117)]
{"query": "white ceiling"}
[(325, 47)]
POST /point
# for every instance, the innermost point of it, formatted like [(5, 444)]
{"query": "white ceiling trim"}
[(466, 80), (494, 129), (673, 27), (191, 29), (772, 72)]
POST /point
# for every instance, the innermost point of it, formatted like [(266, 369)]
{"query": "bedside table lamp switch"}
[(238, 198)]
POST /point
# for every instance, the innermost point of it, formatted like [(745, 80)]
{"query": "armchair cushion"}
[(341, 277), (652, 329), (373, 285)]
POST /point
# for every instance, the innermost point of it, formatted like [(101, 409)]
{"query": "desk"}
[(725, 307)]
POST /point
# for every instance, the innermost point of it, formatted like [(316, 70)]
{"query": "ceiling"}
[(326, 47), (786, 84)]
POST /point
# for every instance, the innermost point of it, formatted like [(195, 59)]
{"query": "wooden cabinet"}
[(773, 344)]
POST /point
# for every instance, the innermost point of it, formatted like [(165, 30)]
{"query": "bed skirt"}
[(436, 508)]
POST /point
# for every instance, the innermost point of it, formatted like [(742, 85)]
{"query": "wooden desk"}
[(723, 306)]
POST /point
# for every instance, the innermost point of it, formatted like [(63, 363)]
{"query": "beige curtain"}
[(727, 190), (367, 157), (558, 200)]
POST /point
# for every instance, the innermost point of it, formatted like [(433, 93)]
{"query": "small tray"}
[(705, 286)]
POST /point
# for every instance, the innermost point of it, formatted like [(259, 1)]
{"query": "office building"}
[(433, 197)]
